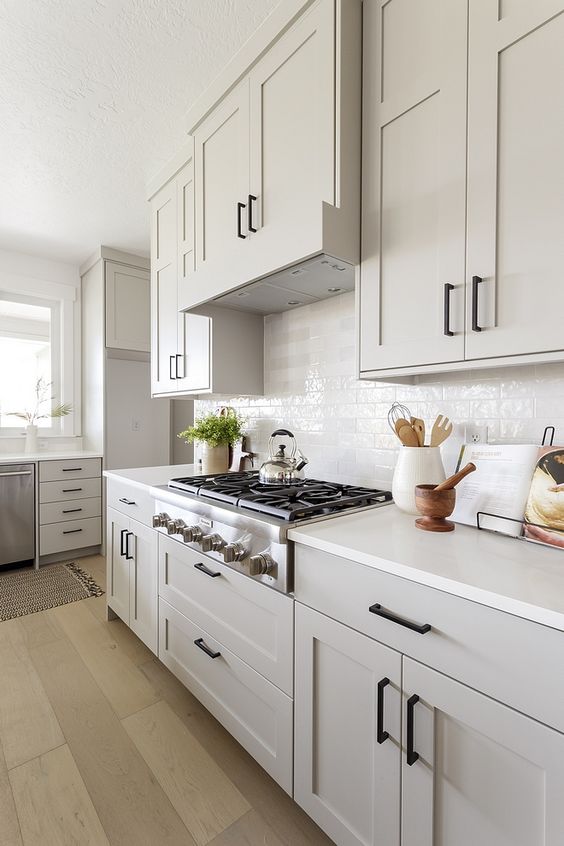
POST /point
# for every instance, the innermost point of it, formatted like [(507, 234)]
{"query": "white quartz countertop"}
[(511, 575), (149, 477), (22, 457)]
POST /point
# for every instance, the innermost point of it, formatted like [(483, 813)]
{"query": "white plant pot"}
[(415, 466), (31, 442), (215, 459)]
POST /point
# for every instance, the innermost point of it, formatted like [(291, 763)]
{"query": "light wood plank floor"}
[(100, 744)]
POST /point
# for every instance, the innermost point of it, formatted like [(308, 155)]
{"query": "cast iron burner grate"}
[(305, 498)]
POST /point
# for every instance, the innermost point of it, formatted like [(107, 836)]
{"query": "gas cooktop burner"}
[(306, 498)]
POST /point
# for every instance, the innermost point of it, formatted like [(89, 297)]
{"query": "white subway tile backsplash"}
[(341, 422)]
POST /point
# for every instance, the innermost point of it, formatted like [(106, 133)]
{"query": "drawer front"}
[(58, 512), (69, 490), (253, 621), (69, 468), (74, 534), (252, 709), (131, 501), (509, 658)]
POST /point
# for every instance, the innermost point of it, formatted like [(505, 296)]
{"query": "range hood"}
[(309, 281)]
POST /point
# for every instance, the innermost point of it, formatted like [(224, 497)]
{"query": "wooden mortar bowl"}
[(434, 506)]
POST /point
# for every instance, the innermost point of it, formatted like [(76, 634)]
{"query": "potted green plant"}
[(216, 432), (39, 412)]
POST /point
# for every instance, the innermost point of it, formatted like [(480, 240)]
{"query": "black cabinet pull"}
[(71, 531), (252, 199), (476, 280), (381, 735), (172, 359), (127, 501), (411, 755), (127, 555), (71, 469), (70, 490), (181, 357), (121, 542), (240, 207), (70, 510), (446, 305), (203, 569), (415, 627), (201, 645)]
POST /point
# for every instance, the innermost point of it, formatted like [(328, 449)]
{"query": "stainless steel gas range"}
[(236, 519)]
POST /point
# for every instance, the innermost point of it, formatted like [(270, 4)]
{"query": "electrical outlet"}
[(135, 424), (476, 434)]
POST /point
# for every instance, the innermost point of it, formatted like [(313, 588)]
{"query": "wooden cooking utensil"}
[(434, 506), (442, 427), (453, 480), (400, 423), (418, 426), (408, 436)]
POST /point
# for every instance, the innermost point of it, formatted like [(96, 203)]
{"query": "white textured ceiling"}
[(93, 96)]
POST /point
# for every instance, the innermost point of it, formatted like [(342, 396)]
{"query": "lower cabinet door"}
[(143, 583), (117, 567), (475, 771), (347, 732), (252, 709)]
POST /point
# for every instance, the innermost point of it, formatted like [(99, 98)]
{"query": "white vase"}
[(31, 443), (215, 459), (415, 466)]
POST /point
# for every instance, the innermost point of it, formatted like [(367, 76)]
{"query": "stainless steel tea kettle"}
[(280, 469)]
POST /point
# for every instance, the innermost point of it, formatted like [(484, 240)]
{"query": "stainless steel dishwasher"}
[(17, 513)]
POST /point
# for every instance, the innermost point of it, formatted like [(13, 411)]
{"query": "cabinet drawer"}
[(508, 658), (131, 501), (76, 468), (253, 621), (74, 534), (58, 512), (69, 490), (252, 709)]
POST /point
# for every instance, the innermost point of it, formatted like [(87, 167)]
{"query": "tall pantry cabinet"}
[(463, 204)]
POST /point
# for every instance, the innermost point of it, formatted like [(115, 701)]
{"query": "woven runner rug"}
[(28, 591)]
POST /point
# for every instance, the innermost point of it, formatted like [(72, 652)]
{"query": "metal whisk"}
[(398, 412)]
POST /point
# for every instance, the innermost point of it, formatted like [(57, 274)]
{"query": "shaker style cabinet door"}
[(475, 771), (221, 155), (515, 293), (347, 732), (143, 584), (414, 171), (164, 290), (117, 566), (292, 140), (128, 320)]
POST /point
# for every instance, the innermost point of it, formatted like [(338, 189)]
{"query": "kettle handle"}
[(282, 432)]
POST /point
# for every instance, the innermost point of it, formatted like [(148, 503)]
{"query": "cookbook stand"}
[(547, 440)]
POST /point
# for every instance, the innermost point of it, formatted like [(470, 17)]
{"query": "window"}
[(29, 360)]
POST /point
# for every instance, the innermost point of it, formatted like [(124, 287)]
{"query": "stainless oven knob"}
[(260, 564), (160, 520), (212, 543), (233, 552), (191, 534), (174, 527)]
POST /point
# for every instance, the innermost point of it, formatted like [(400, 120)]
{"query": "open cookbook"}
[(518, 490)]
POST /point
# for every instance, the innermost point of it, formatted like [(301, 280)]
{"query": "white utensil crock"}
[(415, 466)]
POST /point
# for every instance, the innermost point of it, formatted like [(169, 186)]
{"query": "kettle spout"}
[(301, 460)]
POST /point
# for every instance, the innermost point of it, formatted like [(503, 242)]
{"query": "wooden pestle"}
[(452, 481)]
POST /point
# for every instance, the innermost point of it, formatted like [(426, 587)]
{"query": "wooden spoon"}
[(442, 427), (452, 481), (400, 423), (418, 426), (408, 436)]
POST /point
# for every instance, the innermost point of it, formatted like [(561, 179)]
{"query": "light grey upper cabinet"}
[(463, 185), (127, 307), (277, 151), (515, 177), (414, 171)]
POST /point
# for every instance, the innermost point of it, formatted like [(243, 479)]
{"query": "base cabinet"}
[(132, 577), (462, 769)]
